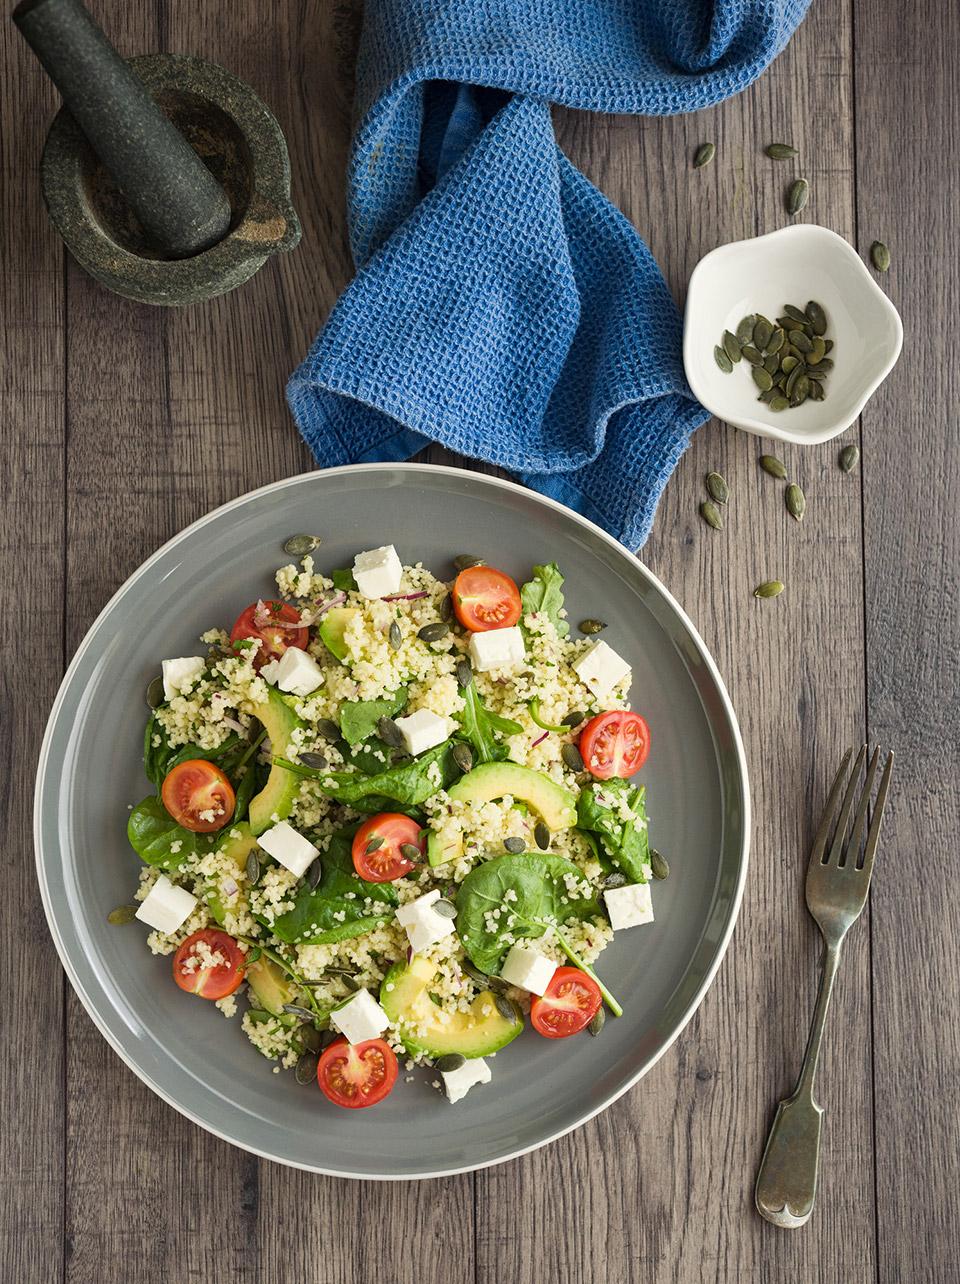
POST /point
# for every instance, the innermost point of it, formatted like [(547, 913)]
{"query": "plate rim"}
[(483, 479)]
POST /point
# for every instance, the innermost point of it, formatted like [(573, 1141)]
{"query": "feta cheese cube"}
[(288, 848), (360, 1018), (378, 571), (423, 730), (298, 672), (180, 675), (270, 672), (629, 906), (458, 1083), (528, 969), (601, 669), (166, 906), (423, 925), (497, 649)]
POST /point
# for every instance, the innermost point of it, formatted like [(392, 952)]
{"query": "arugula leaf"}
[(359, 718), (344, 581), (543, 595), (407, 783), (153, 833), (480, 727), (316, 915), (613, 810)]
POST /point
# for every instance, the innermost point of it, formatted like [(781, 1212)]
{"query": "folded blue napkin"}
[(502, 306)]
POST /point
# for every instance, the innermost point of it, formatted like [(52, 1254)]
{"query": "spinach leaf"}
[(541, 900), (543, 595), (481, 728), (371, 757), (613, 810), (341, 906), (359, 718), (408, 783), (162, 758), (344, 581), (153, 834)]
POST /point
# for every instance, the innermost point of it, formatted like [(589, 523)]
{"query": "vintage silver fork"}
[(838, 881)]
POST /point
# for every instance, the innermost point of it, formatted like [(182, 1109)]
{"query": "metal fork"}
[(838, 881)]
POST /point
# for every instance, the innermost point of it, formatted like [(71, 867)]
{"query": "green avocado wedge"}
[(332, 628), (269, 986), (240, 843), (275, 800), (405, 997)]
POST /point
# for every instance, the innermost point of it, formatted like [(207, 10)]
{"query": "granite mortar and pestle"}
[(166, 176)]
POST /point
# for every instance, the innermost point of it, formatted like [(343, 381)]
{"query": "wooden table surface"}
[(123, 423)]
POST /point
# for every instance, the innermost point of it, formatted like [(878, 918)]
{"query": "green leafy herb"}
[(341, 906), (613, 811), (482, 728), (408, 783), (158, 839), (344, 581), (359, 718), (543, 596)]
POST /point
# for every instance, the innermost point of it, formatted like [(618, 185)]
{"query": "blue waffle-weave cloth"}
[(502, 306)]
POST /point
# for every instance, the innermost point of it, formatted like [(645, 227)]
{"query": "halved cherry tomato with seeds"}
[(274, 632), (376, 847), (615, 744), (198, 796), (355, 1075), (209, 964), (484, 599), (569, 1005)]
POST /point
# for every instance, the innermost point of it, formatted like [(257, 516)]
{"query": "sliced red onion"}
[(230, 888), (409, 953), (232, 723), (405, 597), (263, 616), (540, 740)]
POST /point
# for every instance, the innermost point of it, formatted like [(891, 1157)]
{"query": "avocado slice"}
[(406, 1000), (332, 628), (278, 794), (271, 988), (554, 804), (237, 848)]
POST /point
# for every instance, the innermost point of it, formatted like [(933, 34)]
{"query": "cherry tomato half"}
[(569, 1005), (484, 598), (615, 744), (198, 796), (376, 847), (275, 638), (355, 1075), (209, 964)]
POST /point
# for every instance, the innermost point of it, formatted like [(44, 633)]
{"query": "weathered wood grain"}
[(908, 150)]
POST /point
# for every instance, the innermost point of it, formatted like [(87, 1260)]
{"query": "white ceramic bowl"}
[(793, 265)]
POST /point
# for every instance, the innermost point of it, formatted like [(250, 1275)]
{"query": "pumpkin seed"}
[(309, 1038), (795, 313), (789, 364), (445, 609), (253, 869), (762, 378), (781, 151), (445, 908), (122, 914), (849, 458), (801, 389), (306, 1068), (717, 487), (314, 873), (722, 360), (762, 333), (777, 340), (395, 636), (779, 402), (816, 316), (433, 632), (711, 514), (572, 757), (772, 465), (797, 196), (514, 846), (828, 345), (802, 343), (615, 879), (658, 865), (351, 983), (541, 835), (771, 364), (816, 390), (753, 355), (390, 733), (768, 396), (591, 626), (296, 1010), (315, 761), (730, 346), (769, 588), (464, 561), (155, 695), (463, 757), (880, 256), (596, 1023), (506, 1007), (817, 350), (300, 545), (464, 673), (374, 845), (411, 852), (745, 329), (704, 155), (573, 719), (821, 367)]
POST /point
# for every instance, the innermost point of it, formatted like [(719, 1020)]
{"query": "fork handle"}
[(787, 1180)]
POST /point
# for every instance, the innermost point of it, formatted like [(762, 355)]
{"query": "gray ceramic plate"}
[(90, 770)]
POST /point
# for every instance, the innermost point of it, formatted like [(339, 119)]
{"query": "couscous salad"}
[(394, 814)]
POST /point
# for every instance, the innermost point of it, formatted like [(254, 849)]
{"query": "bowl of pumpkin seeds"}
[(788, 335)]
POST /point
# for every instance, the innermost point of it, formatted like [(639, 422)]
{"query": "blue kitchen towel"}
[(502, 306)]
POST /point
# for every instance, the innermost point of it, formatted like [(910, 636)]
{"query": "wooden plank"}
[(31, 573), (908, 151), (661, 1186)]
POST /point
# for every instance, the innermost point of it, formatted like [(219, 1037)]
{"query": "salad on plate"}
[(397, 817)]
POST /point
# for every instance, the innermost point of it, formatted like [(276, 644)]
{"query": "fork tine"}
[(852, 852), (873, 835), (837, 848), (820, 841)]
